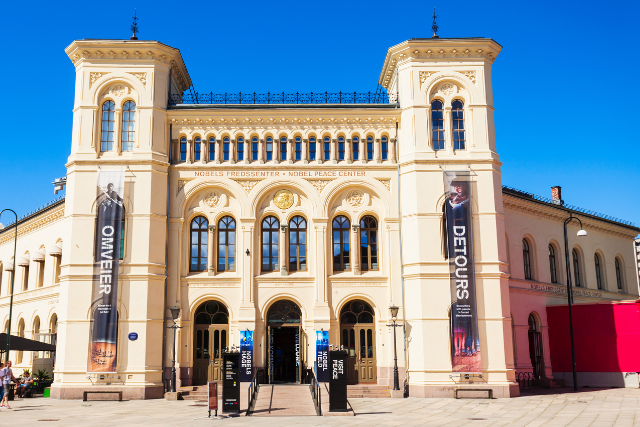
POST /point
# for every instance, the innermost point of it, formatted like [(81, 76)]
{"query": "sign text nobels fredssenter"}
[(265, 174)]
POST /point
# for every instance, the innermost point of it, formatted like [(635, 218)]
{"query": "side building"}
[(288, 216)]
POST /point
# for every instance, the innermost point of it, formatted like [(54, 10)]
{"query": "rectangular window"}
[(341, 149), (269, 149), (283, 150), (385, 149), (183, 150), (356, 149), (369, 148), (327, 149), (254, 149), (312, 149), (298, 149), (240, 149), (212, 149), (197, 150), (225, 150), (437, 125)]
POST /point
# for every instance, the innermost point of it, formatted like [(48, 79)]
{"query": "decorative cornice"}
[(142, 77), (35, 224)]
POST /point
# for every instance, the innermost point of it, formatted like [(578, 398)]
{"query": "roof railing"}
[(566, 206), (35, 211), (283, 98)]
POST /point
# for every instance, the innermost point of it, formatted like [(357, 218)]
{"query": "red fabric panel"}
[(606, 336)]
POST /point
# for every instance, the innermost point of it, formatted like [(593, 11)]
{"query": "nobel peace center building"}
[(285, 225)]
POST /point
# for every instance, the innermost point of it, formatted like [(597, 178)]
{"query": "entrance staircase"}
[(367, 390), (283, 399), (198, 392)]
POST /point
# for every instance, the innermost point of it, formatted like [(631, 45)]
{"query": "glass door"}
[(217, 344), (366, 360)]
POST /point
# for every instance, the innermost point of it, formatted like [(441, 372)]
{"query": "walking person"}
[(7, 375), (1, 376)]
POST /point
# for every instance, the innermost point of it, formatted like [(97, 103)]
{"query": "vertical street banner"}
[(322, 356), (464, 313), (108, 233), (246, 355)]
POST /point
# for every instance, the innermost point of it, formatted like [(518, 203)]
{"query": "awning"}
[(39, 255), (8, 266), (24, 344), (56, 250), (23, 261)]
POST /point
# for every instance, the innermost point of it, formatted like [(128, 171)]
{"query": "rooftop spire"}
[(434, 27), (134, 24)]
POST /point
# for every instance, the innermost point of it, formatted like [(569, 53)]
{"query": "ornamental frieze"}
[(35, 224)]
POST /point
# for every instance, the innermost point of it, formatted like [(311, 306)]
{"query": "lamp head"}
[(582, 232), (393, 310), (175, 313)]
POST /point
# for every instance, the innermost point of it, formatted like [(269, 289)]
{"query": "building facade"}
[(287, 217)]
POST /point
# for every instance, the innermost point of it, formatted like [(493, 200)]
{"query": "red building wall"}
[(606, 336)]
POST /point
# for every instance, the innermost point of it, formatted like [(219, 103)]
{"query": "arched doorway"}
[(535, 347), (357, 336), (210, 338), (285, 337)]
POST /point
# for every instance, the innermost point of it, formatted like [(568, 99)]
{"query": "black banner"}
[(246, 354), (109, 215), (338, 381), (231, 382), (465, 346)]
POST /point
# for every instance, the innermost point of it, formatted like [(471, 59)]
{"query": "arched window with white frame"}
[(599, 276), (369, 243), (128, 125), (437, 125), (226, 244), (108, 126), (270, 244), (298, 148), (226, 149), (384, 148), (197, 149), (526, 256), (619, 276), (183, 149), (457, 122), (327, 148), (283, 148), (312, 148), (269, 149), (576, 267), (341, 148), (341, 247), (198, 254), (369, 148), (552, 264), (240, 145), (297, 244), (254, 149), (212, 148), (356, 148)]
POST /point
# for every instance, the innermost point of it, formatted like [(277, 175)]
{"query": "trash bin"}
[(11, 392), (47, 392)]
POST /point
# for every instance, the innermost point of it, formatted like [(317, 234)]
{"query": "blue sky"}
[(564, 88)]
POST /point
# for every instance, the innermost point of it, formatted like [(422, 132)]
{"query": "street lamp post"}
[(570, 293), (175, 314), (393, 310), (13, 279)]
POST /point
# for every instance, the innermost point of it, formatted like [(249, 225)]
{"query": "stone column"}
[(210, 251), (448, 131), (218, 152), (363, 152), (261, 152), (175, 157), (203, 150), (117, 137), (322, 264), (232, 151), (247, 150), (189, 151), (392, 150), (290, 151), (334, 144), (377, 148), (284, 259), (305, 151), (355, 249), (347, 152)]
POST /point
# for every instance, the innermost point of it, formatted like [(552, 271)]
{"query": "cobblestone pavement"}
[(589, 407)]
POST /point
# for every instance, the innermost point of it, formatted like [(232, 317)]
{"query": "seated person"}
[(24, 385)]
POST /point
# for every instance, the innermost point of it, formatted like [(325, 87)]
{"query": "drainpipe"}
[(404, 316), (166, 251)]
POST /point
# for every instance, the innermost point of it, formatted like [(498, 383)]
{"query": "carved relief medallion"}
[(283, 199), (448, 89), (355, 198), (212, 199), (118, 90)]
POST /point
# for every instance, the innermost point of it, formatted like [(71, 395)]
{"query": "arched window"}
[(199, 227), (327, 148), (356, 312), (341, 148), (527, 259), (437, 125), (369, 243), (298, 148), (312, 148), (341, 260), (596, 260), (21, 335), (269, 149), (270, 230), (226, 147), (226, 244), (369, 148), (297, 244), (197, 149), (552, 264), (283, 148), (212, 313), (212, 148), (128, 125), (576, 267), (535, 347), (457, 122), (618, 273), (254, 149), (183, 149), (356, 148), (108, 124), (284, 312), (385, 148), (240, 145)]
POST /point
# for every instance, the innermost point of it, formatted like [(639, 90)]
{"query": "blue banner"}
[(246, 355), (322, 355)]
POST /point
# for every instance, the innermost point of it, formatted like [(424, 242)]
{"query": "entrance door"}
[(211, 333), (357, 336), (535, 348), (284, 328)]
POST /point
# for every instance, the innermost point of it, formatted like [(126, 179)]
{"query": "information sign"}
[(213, 397), (231, 382), (338, 381)]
